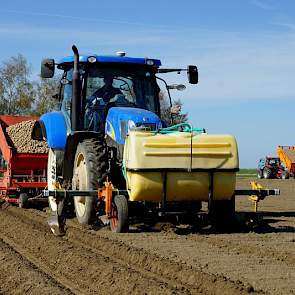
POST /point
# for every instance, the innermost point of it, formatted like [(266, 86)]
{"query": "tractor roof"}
[(113, 59)]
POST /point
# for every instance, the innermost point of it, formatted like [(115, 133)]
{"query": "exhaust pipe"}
[(76, 99)]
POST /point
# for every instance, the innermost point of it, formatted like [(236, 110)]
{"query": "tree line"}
[(22, 95)]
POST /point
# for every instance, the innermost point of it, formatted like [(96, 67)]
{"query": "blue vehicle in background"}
[(101, 99)]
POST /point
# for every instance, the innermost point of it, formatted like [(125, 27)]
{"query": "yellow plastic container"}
[(187, 161)]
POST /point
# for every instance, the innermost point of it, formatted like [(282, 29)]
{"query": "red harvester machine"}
[(22, 175)]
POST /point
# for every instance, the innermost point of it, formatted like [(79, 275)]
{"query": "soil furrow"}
[(19, 273), (63, 283), (184, 277), (86, 265), (98, 261)]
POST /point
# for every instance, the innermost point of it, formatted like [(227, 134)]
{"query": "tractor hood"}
[(121, 119)]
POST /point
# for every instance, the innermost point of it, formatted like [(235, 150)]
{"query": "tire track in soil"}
[(20, 275), (251, 247), (138, 281), (254, 246), (267, 250), (28, 261), (257, 247), (167, 276)]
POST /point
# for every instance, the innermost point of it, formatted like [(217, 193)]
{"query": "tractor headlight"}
[(91, 59), (150, 62)]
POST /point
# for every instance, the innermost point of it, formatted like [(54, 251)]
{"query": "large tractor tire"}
[(221, 213), (266, 173), (259, 174), (89, 173), (285, 175), (120, 220)]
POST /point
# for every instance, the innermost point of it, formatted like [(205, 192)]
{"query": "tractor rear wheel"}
[(285, 175), (89, 173), (266, 173), (119, 219), (259, 174)]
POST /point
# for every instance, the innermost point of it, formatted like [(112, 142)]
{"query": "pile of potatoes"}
[(20, 136)]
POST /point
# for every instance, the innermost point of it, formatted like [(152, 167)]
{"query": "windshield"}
[(128, 87), (274, 161)]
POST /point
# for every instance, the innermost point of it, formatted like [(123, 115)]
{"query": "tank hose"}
[(186, 127)]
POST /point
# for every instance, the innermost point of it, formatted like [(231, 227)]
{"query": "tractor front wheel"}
[(89, 174), (266, 173), (119, 215), (259, 174)]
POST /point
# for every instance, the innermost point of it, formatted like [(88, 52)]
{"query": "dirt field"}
[(258, 257)]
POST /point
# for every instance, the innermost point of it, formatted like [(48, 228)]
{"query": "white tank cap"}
[(120, 53)]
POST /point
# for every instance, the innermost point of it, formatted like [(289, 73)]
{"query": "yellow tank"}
[(187, 164)]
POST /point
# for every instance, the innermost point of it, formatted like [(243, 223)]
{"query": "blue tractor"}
[(101, 99)]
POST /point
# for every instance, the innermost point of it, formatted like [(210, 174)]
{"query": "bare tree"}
[(46, 93), (177, 116), (17, 92)]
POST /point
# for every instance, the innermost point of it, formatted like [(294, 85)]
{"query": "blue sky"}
[(244, 49)]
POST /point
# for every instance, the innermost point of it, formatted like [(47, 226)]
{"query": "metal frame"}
[(102, 194), (108, 192)]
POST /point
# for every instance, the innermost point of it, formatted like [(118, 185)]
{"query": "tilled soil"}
[(20, 137), (257, 257)]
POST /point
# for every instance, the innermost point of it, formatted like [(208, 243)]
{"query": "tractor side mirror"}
[(192, 73), (47, 68)]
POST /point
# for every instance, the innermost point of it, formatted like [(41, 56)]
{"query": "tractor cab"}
[(108, 82), (111, 94), (273, 161)]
